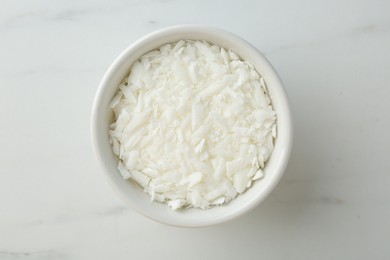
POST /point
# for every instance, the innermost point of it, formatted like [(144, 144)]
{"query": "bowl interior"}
[(131, 193)]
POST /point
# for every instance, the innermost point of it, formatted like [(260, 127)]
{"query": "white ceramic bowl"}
[(133, 195)]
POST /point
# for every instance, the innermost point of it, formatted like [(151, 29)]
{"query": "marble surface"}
[(334, 199)]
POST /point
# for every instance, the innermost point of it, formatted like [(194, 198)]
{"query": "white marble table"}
[(334, 199)]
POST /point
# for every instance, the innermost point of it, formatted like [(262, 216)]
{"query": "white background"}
[(334, 199)]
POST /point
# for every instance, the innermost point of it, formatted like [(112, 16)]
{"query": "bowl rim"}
[(282, 96)]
